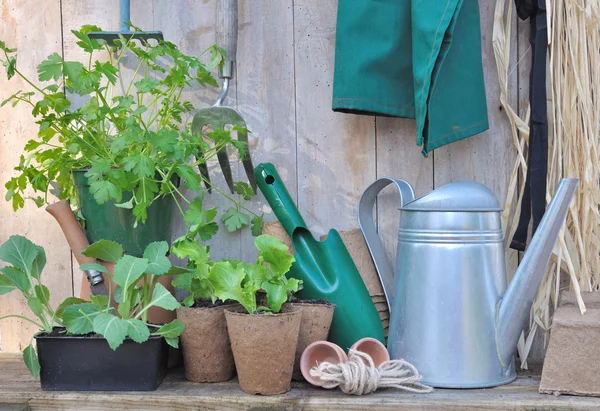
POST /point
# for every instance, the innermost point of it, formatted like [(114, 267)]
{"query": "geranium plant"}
[(129, 134), (129, 319), (235, 280)]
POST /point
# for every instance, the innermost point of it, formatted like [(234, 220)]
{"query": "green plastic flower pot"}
[(107, 222)]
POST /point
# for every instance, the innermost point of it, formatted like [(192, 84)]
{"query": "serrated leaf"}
[(183, 281), (227, 281), (234, 220), (161, 297), (51, 68), (104, 191), (66, 303), (104, 250), (100, 300), (146, 85), (156, 253), (93, 266), (17, 277), (192, 179), (113, 328), (6, 285), (109, 71), (124, 309), (78, 318), (140, 164), (31, 361), (128, 270), (170, 330), (146, 192), (257, 225), (192, 249), (274, 252), (138, 330), (244, 189), (42, 292), (86, 43), (36, 305), (20, 252)]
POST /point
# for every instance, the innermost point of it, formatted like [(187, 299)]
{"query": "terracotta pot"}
[(319, 352), (374, 348), (263, 348), (316, 320), (205, 343)]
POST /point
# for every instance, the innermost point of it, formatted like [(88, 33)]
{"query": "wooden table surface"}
[(18, 388)]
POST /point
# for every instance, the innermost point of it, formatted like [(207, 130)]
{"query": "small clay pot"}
[(317, 353), (263, 347), (207, 355), (374, 348), (316, 320)]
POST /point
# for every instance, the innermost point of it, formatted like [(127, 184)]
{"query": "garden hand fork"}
[(218, 116)]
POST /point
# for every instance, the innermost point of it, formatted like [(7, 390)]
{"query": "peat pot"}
[(264, 346)]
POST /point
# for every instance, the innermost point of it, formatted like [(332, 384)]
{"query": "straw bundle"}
[(574, 121)]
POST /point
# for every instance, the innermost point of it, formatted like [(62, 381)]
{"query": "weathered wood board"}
[(177, 394), (283, 88)]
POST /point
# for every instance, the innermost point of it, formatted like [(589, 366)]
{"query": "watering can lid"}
[(458, 196)]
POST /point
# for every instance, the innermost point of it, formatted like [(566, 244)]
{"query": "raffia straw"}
[(574, 122)]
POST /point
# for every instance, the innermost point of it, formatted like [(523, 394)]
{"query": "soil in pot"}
[(87, 363), (316, 320), (264, 346), (207, 355)]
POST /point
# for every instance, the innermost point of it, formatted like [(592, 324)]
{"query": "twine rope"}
[(359, 375)]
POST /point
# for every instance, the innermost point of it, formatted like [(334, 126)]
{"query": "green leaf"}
[(104, 191), (183, 281), (192, 249), (257, 225), (145, 85), (170, 330), (87, 44), (17, 277), (42, 292), (36, 305), (146, 191), (277, 294), (274, 252), (93, 266), (156, 253), (31, 361), (173, 342), (104, 250), (234, 220), (67, 303), (6, 285), (20, 252), (227, 284), (5, 48), (161, 297), (138, 330), (39, 262), (129, 270), (128, 204), (188, 301), (113, 328), (244, 189), (206, 231), (192, 179), (99, 168), (124, 309), (90, 109), (109, 71), (100, 300), (118, 297), (78, 318), (51, 69), (141, 164)]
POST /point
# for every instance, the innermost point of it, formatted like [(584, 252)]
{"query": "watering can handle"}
[(367, 225), (227, 33)]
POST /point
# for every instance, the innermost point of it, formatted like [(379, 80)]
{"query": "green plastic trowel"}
[(325, 267)]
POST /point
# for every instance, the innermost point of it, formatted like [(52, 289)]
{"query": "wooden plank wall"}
[(283, 89)]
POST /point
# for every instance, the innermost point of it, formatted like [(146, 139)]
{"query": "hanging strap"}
[(533, 203)]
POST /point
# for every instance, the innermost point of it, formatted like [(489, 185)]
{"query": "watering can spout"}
[(513, 310)]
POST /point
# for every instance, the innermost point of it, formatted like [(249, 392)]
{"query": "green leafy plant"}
[(79, 317), (131, 144), (235, 280)]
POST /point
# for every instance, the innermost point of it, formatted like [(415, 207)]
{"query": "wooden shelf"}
[(18, 388)]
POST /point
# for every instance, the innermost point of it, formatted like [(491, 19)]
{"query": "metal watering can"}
[(451, 313)]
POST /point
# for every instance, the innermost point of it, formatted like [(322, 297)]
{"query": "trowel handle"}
[(272, 187), (227, 33), (366, 203), (73, 232)]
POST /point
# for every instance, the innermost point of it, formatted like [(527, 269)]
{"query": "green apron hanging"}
[(418, 59)]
